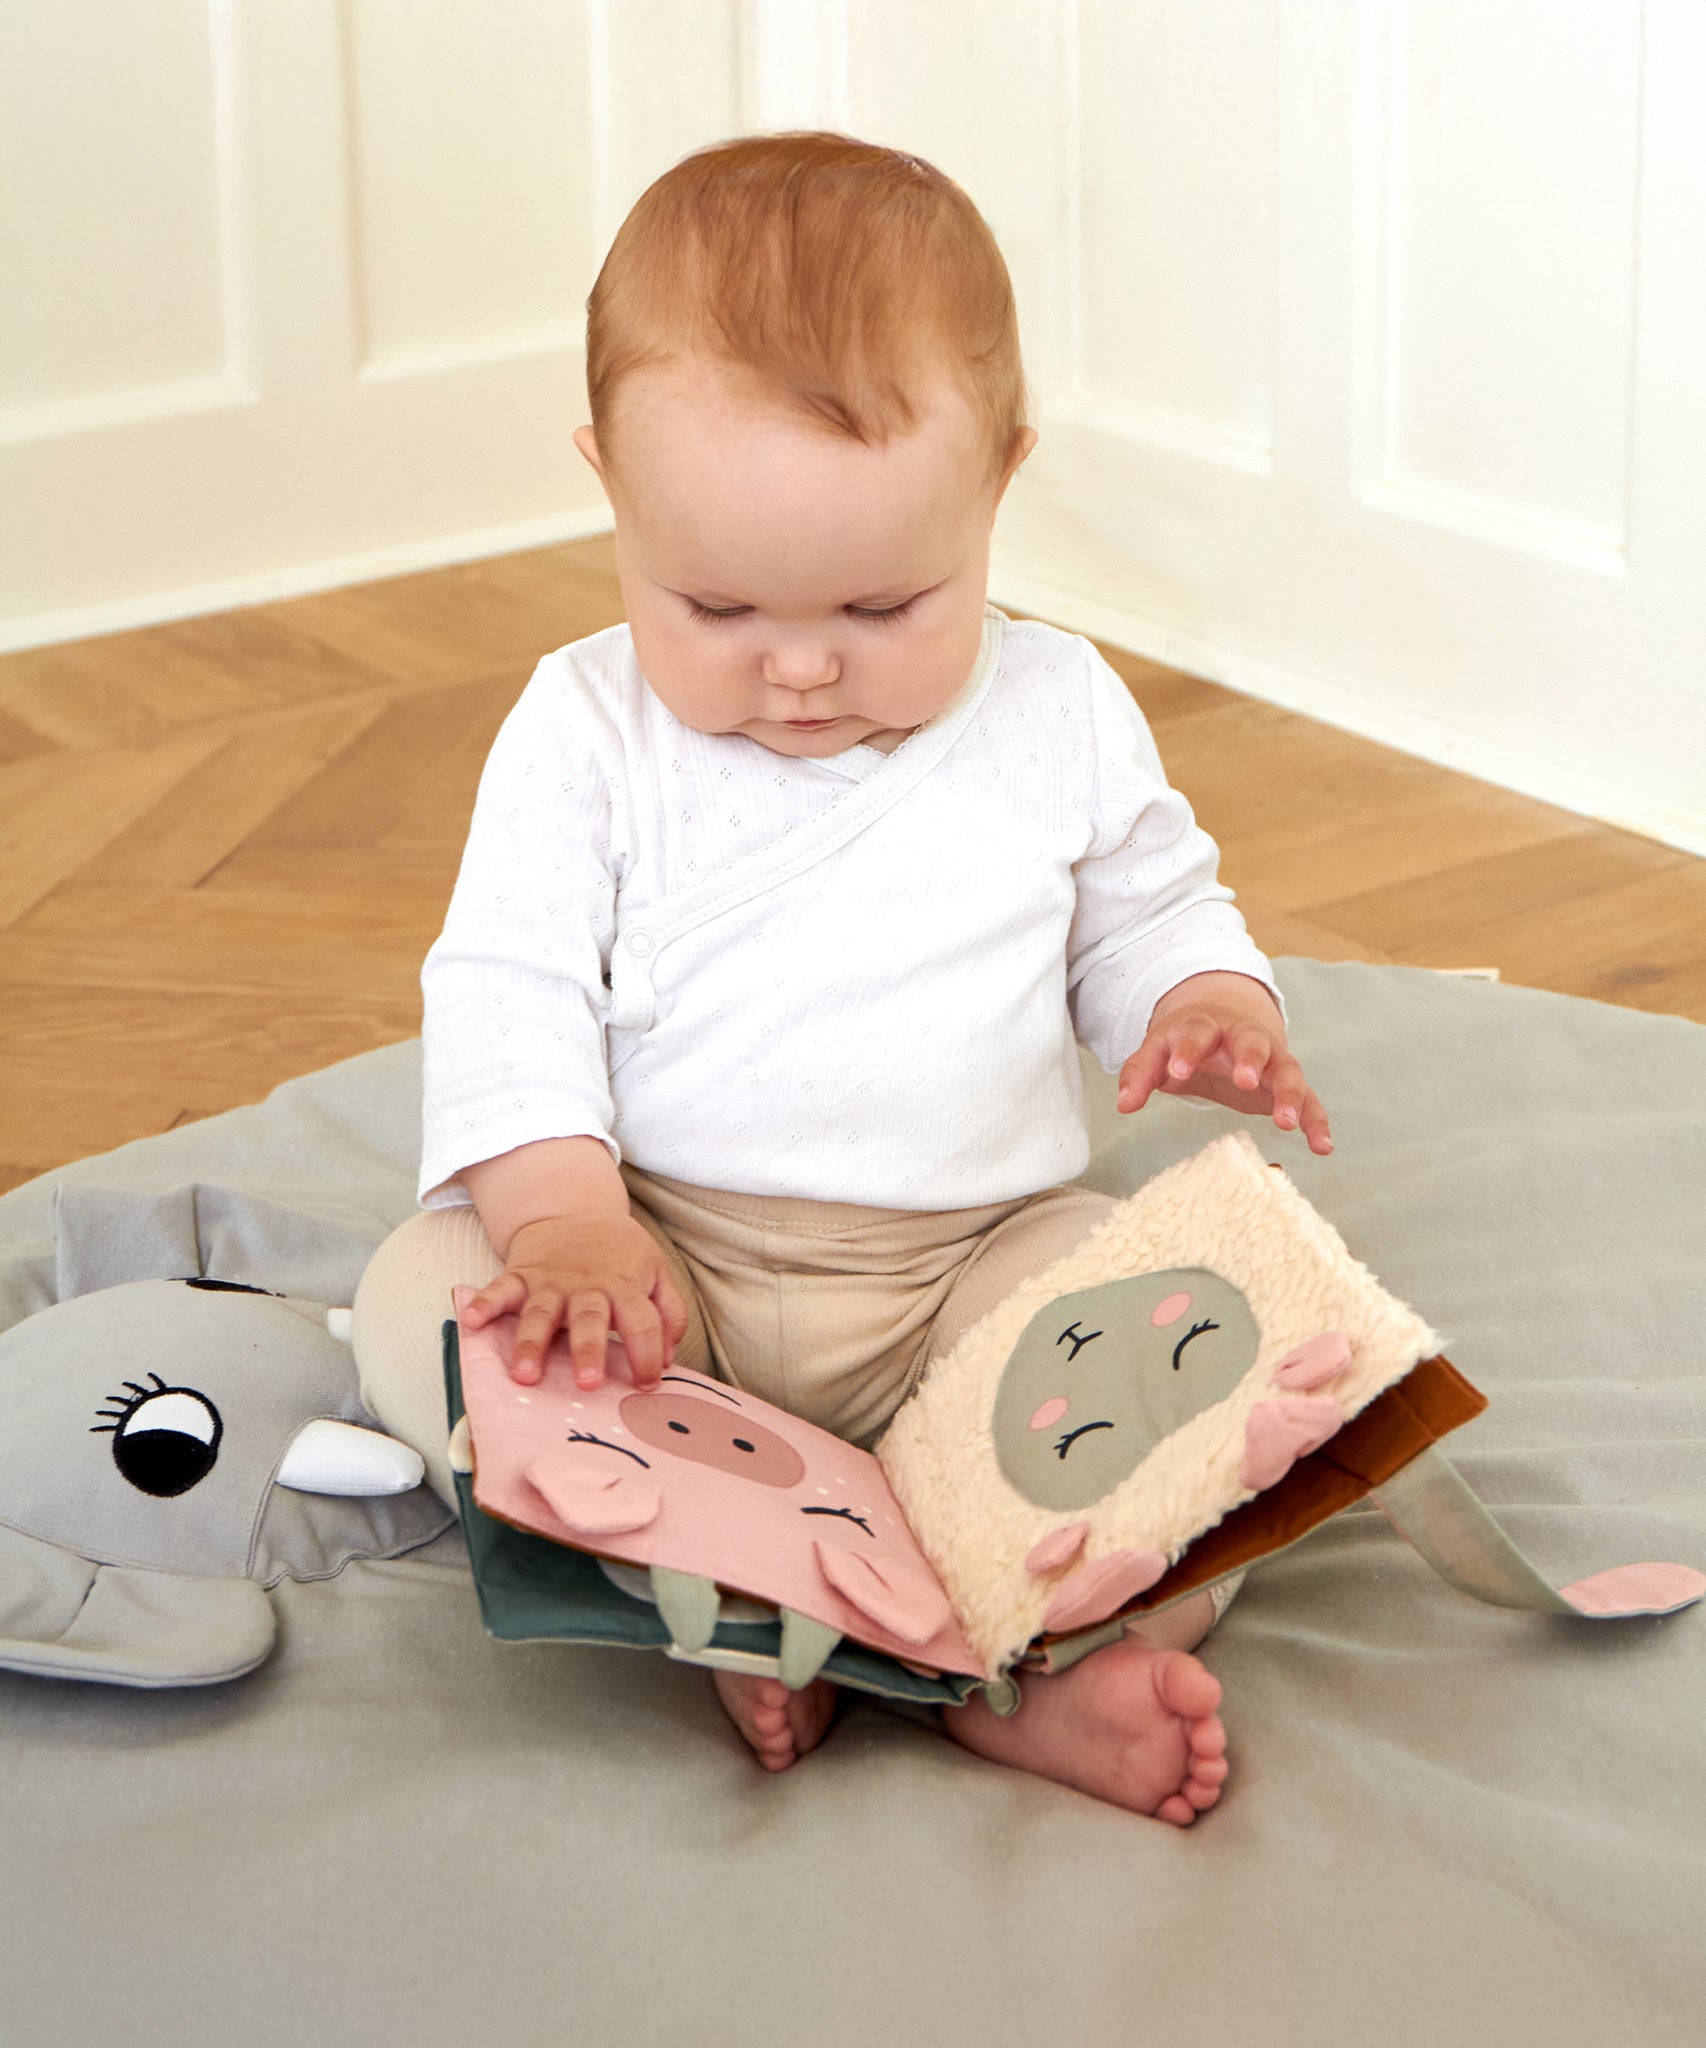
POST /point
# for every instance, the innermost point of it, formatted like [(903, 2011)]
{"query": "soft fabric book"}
[(1203, 1380)]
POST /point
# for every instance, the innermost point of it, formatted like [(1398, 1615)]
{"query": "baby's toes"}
[(1208, 1738), (1176, 1810), (771, 1735), (1186, 1687)]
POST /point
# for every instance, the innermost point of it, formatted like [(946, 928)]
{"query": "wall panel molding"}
[(1079, 399), (236, 381), (1383, 138)]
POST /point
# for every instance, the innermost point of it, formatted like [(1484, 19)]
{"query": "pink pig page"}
[(700, 1477)]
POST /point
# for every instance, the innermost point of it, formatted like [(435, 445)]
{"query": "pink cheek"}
[(1170, 1310), (1050, 1412)]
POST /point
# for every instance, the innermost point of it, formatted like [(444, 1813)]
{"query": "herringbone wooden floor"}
[(226, 844)]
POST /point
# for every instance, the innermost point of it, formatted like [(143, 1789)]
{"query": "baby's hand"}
[(584, 1274), (1219, 1036)]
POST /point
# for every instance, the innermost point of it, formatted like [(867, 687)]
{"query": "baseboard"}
[(154, 608), (1351, 710)]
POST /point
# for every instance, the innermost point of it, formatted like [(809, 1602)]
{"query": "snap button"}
[(639, 944)]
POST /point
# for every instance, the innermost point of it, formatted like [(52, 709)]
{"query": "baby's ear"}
[(586, 440)]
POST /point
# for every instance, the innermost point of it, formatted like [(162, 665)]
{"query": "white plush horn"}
[(337, 1457)]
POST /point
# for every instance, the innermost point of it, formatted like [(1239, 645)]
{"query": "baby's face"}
[(790, 584)]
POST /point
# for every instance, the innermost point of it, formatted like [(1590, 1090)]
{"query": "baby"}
[(750, 1036)]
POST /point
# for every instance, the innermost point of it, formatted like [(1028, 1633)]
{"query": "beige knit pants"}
[(828, 1309)]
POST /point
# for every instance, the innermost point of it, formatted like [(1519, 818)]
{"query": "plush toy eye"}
[(1196, 1330), (165, 1439)]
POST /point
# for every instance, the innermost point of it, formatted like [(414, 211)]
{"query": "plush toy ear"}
[(893, 1591), (1097, 1590), (67, 1618), (104, 1237), (590, 1498), (1279, 1432), (1311, 1364)]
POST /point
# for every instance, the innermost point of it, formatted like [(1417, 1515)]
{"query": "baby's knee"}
[(401, 1306)]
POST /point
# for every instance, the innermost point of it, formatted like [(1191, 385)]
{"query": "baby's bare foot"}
[(1130, 1724), (779, 1725)]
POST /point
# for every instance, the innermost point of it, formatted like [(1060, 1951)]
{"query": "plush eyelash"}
[(847, 1513), (699, 1387), (1072, 1435), (1195, 1330), (882, 618), (126, 1405), (585, 1436)]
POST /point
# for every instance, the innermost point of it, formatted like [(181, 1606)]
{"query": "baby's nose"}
[(801, 668)]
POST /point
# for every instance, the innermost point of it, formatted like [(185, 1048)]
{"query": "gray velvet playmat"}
[(1446, 1822)]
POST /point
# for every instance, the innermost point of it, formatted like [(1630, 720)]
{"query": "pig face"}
[(697, 1427), (1099, 1377), (697, 1478)]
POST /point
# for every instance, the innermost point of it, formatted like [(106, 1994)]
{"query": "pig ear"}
[(591, 1499), (894, 1593)]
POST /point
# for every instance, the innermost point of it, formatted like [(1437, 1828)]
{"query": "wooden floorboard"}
[(225, 843)]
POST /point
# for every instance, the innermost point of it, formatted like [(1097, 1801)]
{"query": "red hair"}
[(842, 274)]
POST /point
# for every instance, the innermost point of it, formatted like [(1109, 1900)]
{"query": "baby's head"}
[(807, 399)]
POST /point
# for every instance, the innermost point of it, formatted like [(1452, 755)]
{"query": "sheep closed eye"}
[(1196, 1330), (1072, 1435)]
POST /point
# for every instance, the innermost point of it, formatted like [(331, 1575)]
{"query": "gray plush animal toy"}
[(179, 1437)]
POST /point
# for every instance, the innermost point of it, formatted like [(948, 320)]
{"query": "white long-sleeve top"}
[(856, 979)]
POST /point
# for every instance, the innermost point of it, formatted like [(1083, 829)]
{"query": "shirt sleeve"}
[(1151, 910), (514, 986)]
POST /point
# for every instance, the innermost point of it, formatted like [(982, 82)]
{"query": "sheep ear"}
[(1101, 1588), (1279, 1432)]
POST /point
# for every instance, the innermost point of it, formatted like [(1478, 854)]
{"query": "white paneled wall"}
[(1365, 333)]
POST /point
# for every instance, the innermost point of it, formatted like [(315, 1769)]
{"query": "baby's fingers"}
[(497, 1298), (1142, 1073), (642, 1332), (1297, 1105), (1189, 1043), (1249, 1048), (588, 1326), (674, 1313), (538, 1325)]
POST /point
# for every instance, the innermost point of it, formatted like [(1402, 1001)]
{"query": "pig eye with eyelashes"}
[(585, 1436), (846, 1513), (698, 1386)]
